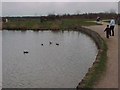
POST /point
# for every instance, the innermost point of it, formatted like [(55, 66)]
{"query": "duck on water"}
[(25, 52)]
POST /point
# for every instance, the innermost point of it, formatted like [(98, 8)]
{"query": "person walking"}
[(107, 30), (112, 25)]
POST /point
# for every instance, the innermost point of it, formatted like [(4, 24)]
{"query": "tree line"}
[(59, 17)]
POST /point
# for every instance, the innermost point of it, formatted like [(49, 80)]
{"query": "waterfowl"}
[(57, 44), (50, 42), (25, 52)]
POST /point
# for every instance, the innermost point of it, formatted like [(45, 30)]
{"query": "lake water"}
[(47, 66)]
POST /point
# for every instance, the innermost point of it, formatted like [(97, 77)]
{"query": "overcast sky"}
[(45, 8), (59, 0)]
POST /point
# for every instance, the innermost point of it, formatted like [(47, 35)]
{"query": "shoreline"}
[(99, 65)]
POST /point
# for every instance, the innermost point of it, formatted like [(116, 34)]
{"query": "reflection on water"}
[(47, 65)]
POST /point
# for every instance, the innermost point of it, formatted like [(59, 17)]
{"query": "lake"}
[(59, 64)]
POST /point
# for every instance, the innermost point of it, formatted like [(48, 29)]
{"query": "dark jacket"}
[(107, 30)]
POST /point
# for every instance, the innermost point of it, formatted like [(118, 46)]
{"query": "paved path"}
[(110, 78)]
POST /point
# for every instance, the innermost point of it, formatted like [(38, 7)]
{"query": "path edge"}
[(99, 65)]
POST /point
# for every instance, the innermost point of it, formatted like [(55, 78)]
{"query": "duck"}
[(25, 52), (57, 44), (50, 42)]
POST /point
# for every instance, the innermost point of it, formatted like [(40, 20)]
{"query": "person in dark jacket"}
[(107, 30)]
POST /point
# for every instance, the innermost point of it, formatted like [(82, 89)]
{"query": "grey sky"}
[(59, 0), (45, 8), (119, 7)]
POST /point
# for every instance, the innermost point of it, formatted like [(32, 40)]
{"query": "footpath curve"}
[(110, 77)]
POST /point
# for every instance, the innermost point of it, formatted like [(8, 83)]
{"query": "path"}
[(110, 78)]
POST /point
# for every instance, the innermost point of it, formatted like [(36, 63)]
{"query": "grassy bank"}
[(99, 66), (36, 24)]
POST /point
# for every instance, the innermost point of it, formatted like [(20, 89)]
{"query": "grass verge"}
[(35, 24)]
